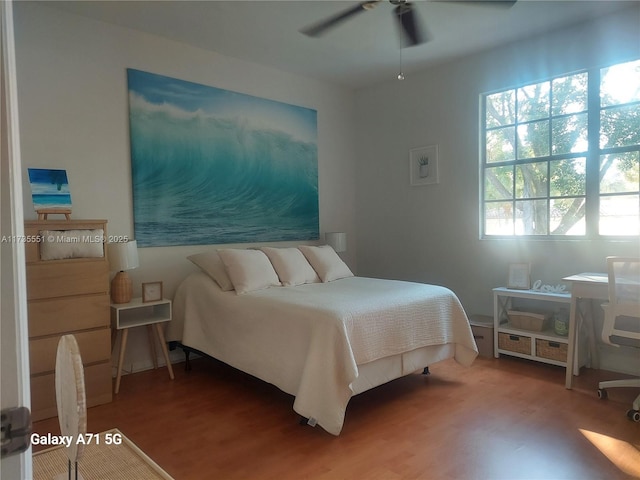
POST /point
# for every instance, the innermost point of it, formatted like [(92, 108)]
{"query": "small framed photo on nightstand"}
[(151, 292), (519, 276)]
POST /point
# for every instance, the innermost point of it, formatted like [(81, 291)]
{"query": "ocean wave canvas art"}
[(213, 166), (49, 189)]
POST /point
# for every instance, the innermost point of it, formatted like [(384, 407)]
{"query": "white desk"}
[(584, 286)]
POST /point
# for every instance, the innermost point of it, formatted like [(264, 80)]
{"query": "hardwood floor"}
[(499, 419)]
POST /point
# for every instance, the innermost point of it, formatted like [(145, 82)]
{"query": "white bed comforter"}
[(308, 340)]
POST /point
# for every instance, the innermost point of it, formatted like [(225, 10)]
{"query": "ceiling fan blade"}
[(321, 27), (482, 3), (409, 23)]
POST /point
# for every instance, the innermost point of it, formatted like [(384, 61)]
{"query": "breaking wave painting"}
[(212, 166)]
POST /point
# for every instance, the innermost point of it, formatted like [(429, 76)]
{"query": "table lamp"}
[(337, 240), (122, 257)]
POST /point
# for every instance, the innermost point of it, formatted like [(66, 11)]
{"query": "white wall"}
[(431, 233), (74, 115)]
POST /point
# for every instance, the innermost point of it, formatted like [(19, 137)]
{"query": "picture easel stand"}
[(43, 213)]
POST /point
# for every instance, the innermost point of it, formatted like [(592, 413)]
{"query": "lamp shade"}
[(123, 256), (337, 240)]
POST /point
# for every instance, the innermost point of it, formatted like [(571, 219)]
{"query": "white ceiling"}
[(362, 51)]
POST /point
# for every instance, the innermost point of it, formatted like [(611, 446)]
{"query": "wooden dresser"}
[(67, 296)]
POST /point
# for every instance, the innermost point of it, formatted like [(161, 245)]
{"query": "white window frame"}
[(593, 155)]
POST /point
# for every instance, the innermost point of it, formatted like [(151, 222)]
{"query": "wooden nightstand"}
[(138, 314)]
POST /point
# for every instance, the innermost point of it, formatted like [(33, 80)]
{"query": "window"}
[(562, 157)]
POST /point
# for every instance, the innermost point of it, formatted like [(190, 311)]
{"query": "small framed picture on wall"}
[(423, 165), (519, 276)]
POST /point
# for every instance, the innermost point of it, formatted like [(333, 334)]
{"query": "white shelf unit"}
[(503, 301), (137, 313)]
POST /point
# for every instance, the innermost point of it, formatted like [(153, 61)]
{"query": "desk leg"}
[(163, 344), (571, 347), (580, 321), (584, 319), (593, 347), (496, 324), (123, 347)]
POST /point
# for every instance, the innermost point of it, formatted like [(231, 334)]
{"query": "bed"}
[(323, 341)]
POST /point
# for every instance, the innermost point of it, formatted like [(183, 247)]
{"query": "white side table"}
[(502, 303), (137, 314)]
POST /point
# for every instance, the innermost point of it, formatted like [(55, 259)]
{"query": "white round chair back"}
[(70, 396)]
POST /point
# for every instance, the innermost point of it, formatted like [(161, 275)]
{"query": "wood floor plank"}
[(499, 419)]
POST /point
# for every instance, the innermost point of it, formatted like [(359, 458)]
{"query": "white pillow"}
[(211, 264), (59, 244), (291, 266), (326, 262), (248, 270)]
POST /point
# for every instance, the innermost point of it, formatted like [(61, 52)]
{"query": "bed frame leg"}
[(312, 422), (426, 371), (187, 362)]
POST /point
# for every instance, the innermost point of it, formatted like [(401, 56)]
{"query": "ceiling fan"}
[(404, 13)]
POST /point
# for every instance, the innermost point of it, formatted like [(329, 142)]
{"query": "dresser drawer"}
[(60, 315), (95, 346), (98, 386), (60, 278)]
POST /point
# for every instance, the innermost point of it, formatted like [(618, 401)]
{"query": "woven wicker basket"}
[(534, 322), (551, 350), (514, 343)]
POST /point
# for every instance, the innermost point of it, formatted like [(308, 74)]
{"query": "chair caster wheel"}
[(634, 415), (602, 394)]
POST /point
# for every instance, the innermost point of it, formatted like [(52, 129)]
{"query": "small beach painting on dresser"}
[(49, 189), (213, 166)]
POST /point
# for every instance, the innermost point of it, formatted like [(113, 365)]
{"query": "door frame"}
[(14, 350)]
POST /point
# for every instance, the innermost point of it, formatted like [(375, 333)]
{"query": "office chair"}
[(624, 306)]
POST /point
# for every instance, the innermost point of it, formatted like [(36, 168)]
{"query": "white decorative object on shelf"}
[(539, 287)]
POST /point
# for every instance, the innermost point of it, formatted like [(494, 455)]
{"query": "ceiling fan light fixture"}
[(370, 5), (400, 73)]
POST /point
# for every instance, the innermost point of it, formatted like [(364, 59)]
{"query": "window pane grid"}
[(605, 108), (619, 159), (539, 151), (619, 125), (522, 161), (620, 83), (577, 102)]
